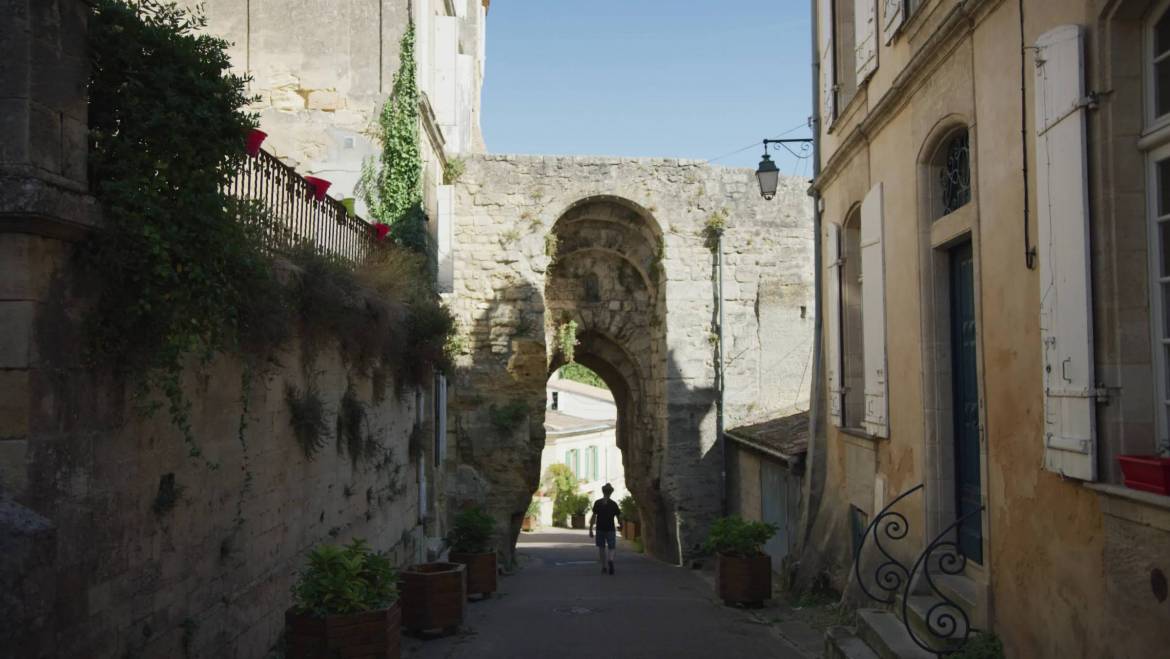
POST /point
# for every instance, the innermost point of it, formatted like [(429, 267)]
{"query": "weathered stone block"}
[(16, 331), (327, 100)]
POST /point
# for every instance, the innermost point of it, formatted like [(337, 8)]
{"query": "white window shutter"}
[(893, 15), (833, 320), (1065, 289), (873, 310), (828, 68), (865, 33)]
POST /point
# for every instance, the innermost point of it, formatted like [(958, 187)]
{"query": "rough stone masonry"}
[(622, 248)]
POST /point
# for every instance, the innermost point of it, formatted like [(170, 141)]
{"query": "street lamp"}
[(767, 173)]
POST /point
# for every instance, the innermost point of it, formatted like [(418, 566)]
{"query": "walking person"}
[(605, 511)]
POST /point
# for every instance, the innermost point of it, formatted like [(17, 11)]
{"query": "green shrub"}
[(582, 374), (735, 536), (533, 509), (629, 508), (472, 532), (506, 418), (579, 504), (561, 484), (349, 579)]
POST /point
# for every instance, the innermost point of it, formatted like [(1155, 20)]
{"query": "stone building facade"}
[(992, 281), (621, 248)]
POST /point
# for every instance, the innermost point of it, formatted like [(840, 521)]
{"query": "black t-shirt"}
[(606, 510)]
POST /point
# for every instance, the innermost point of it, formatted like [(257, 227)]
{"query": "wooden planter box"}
[(529, 524), (1148, 473), (578, 521), (481, 571), (433, 596), (744, 580), (373, 634)]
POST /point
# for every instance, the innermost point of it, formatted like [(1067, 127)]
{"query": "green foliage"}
[(578, 504), (560, 483), (392, 186), (567, 340), (735, 536), (307, 417), (552, 244), (472, 531), (629, 508), (984, 645), (713, 228), (506, 418), (578, 373), (453, 170), (342, 580), (533, 509), (351, 428), (178, 271)]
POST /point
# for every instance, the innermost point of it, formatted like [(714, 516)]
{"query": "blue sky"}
[(675, 78)]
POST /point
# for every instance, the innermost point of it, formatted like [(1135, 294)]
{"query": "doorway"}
[(965, 392)]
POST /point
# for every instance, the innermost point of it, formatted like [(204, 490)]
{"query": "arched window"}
[(952, 166)]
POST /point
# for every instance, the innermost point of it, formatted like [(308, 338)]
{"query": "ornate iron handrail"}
[(295, 215), (891, 576), (945, 620)]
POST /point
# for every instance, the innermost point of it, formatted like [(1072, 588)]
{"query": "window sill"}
[(853, 434), (1144, 508)]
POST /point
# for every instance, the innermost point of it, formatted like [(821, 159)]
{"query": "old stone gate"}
[(622, 248)]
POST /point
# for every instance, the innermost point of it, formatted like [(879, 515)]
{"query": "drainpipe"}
[(814, 476), (719, 375)]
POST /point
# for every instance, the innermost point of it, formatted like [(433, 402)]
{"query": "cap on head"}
[(607, 489)]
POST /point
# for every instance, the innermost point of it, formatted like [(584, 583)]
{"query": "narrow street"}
[(559, 604)]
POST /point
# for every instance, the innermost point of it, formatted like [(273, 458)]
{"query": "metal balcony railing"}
[(294, 215)]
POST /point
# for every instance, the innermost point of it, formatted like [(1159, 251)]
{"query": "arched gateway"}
[(620, 251)]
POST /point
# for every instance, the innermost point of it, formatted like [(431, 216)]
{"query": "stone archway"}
[(606, 276)]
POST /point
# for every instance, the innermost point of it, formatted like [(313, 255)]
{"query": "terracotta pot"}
[(481, 571), (744, 579), (1148, 473), (319, 186), (253, 140), (578, 521), (433, 596), (529, 523), (375, 634)]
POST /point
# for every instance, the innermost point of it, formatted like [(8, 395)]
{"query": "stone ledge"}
[(37, 205), (1136, 506)]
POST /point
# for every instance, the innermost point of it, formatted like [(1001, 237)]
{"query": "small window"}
[(953, 165), (1160, 285), (1160, 62)]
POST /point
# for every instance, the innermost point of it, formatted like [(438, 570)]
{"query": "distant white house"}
[(579, 432)]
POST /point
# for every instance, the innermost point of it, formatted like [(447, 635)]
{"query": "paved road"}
[(560, 606)]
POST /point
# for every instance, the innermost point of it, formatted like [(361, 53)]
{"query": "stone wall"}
[(619, 246)]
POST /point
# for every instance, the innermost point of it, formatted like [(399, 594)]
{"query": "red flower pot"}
[(253, 141), (319, 186), (381, 230), (1148, 473)]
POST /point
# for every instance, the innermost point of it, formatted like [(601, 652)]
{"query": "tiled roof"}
[(784, 436)]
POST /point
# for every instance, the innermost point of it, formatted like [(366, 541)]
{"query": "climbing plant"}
[(391, 186), (180, 275), (567, 340)]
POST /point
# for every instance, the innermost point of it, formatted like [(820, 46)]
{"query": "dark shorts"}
[(607, 538)]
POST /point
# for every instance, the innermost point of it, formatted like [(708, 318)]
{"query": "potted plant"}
[(578, 506), (471, 545), (344, 603), (348, 203), (743, 572), (253, 140), (630, 517), (531, 516), (433, 596), (1148, 473), (319, 186)]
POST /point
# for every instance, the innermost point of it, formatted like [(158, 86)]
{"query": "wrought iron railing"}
[(293, 213), (945, 627)]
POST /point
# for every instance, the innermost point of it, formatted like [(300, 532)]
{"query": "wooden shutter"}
[(828, 70), (893, 14), (1062, 207), (873, 313), (865, 34), (440, 419), (833, 320)]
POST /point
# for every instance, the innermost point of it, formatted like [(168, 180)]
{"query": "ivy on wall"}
[(392, 186)]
